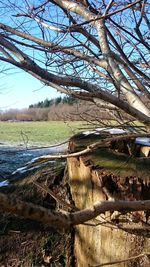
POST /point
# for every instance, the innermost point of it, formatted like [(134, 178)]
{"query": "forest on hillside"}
[(54, 101), (64, 108), (49, 109), (57, 109)]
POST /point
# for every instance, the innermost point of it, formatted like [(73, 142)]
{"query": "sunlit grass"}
[(37, 132)]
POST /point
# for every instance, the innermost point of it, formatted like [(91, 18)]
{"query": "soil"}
[(26, 243)]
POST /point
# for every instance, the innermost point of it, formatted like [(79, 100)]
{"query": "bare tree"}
[(87, 49), (97, 51)]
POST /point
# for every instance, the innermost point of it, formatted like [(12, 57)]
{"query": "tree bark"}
[(102, 240)]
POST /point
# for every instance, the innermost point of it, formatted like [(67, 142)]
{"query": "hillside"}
[(69, 109), (56, 110)]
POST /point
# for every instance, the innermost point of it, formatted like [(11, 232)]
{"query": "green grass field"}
[(37, 132)]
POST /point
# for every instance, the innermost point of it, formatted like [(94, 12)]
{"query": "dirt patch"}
[(26, 243)]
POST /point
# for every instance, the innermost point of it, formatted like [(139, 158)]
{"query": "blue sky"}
[(19, 89)]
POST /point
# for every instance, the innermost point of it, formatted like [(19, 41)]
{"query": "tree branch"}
[(103, 143), (66, 219), (54, 47), (33, 212), (55, 81), (110, 14)]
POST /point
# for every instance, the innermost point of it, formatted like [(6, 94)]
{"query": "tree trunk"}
[(115, 237)]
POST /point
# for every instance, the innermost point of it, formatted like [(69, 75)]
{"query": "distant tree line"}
[(62, 108), (55, 101), (54, 109)]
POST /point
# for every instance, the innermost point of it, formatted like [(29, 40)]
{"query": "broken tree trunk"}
[(122, 239)]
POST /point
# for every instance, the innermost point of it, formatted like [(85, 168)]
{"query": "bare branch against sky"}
[(88, 49)]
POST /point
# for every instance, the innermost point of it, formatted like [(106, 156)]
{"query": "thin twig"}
[(56, 197), (51, 146), (108, 15), (120, 261), (103, 143)]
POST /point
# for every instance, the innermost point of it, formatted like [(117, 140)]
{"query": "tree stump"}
[(110, 237)]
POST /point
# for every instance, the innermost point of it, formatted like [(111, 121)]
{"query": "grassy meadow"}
[(42, 133)]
